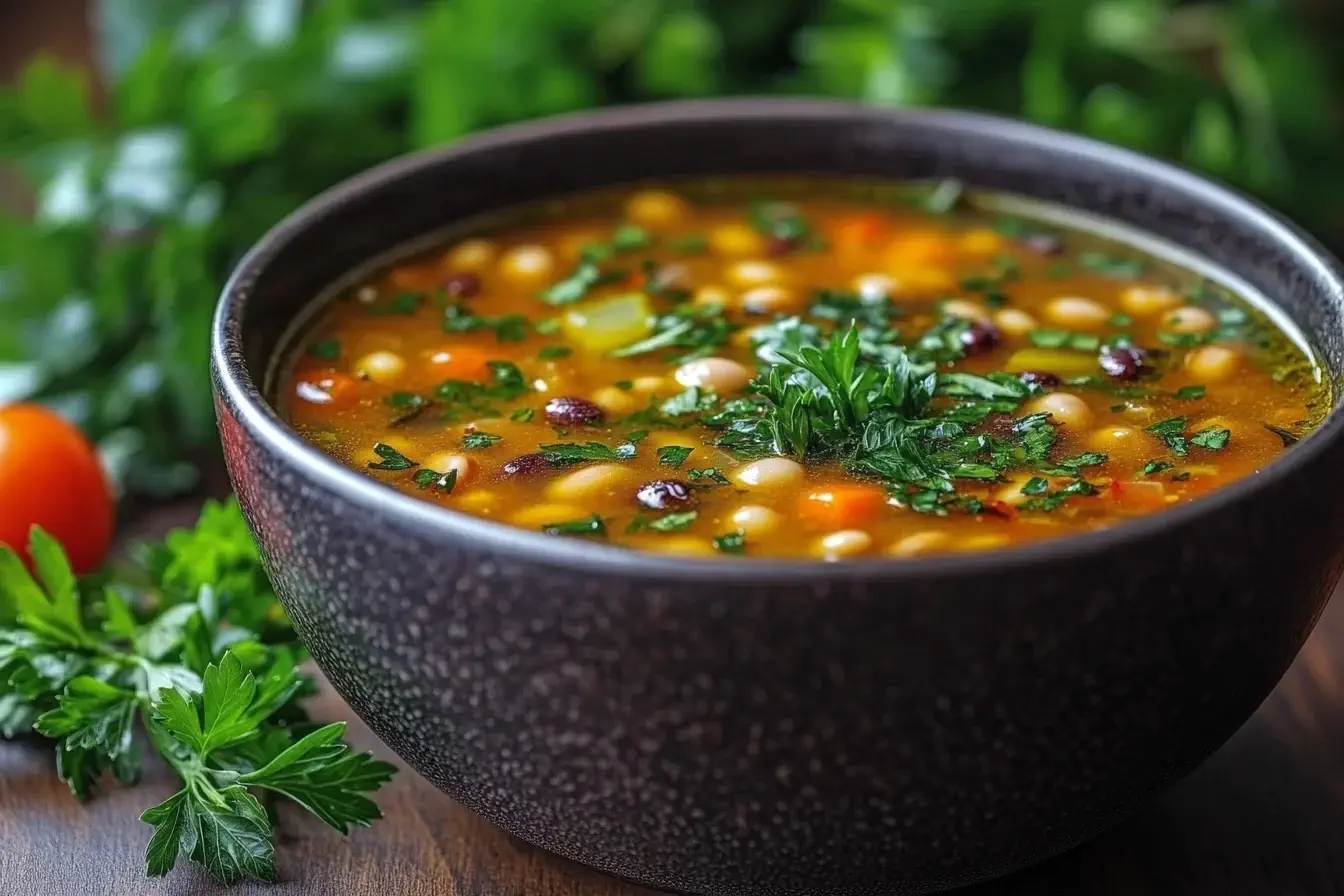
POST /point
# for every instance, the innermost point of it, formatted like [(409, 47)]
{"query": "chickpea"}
[(656, 208), (1014, 321), (1066, 410), (1145, 301), (445, 461), (736, 240), (527, 264), (755, 520), (770, 472), (615, 401), (1120, 441), (966, 310), (720, 374), (383, 368), (753, 272), (1189, 319), (1213, 363), (1077, 313), (769, 300), (845, 543), (544, 514), (589, 482), (874, 287), (919, 543), (711, 295), (471, 255), (981, 242)]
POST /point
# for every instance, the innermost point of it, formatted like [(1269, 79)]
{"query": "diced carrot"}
[(1139, 496), (460, 362), (327, 387), (858, 232), (921, 249), (842, 505)]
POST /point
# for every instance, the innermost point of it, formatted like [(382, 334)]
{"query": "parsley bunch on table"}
[(185, 652)]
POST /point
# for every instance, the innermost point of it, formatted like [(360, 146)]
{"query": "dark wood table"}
[(1262, 817)]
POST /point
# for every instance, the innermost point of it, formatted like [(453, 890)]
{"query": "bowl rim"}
[(234, 384)]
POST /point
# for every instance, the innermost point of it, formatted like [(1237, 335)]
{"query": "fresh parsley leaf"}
[(592, 525), (1112, 267), (1215, 438), (407, 407), (563, 454), (691, 244), (696, 329), (1153, 467), (1035, 486), (476, 440), (731, 542), (507, 328), (668, 522), (707, 476), (1080, 342), (392, 459), (1190, 392), (692, 401), (552, 352), (325, 349), (673, 455), (523, 415), (1172, 431), (573, 288), (404, 303), (439, 482), (629, 237)]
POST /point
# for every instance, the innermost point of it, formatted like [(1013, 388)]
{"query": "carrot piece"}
[(921, 249), (1139, 497), (460, 362), (327, 387), (858, 232), (842, 505)]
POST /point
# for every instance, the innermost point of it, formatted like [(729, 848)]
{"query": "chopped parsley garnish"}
[(668, 522), (1070, 466), (692, 401), (586, 276), (507, 328), (673, 455), (707, 476), (564, 454), (698, 330), (1035, 486), (844, 308), (1215, 438), (781, 221), (475, 440), (731, 542), (392, 459), (506, 383), (1120, 320), (547, 327), (629, 237), (1172, 431), (401, 303), (439, 482), (692, 244), (407, 406), (325, 349), (1190, 392), (592, 525), (1112, 267), (1288, 437), (552, 352), (523, 415), (1053, 500), (1153, 467)]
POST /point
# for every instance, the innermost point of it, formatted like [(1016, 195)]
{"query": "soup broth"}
[(799, 369)]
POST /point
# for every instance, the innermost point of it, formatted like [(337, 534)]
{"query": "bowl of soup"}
[(789, 496)]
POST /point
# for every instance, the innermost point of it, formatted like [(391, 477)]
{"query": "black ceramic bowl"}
[(732, 727)]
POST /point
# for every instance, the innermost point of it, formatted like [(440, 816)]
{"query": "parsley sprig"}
[(185, 652)]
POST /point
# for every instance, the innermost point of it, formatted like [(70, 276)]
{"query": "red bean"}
[(1123, 362), (1043, 243), (462, 286), (525, 465), (571, 411), (1042, 378), (979, 337), (663, 494)]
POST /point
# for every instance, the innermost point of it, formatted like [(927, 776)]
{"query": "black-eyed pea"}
[(615, 401), (1077, 313), (1065, 409), (446, 461), (1146, 301), (769, 300), (1014, 321), (1189, 319), (722, 375), (382, 367), (586, 483), (1213, 363), (656, 208), (538, 515), (471, 255), (527, 265), (755, 272), (966, 310), (844, 543), (736, 240), (919, 543), (755, 520), (770, 473)]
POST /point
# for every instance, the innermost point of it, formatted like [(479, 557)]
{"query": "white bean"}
[(919, 543), (545, 514), (755, 520), (471, 255), (1014, 321), (1064, 409), (769, 300), (845, 543), (445, 461), (589, 482), (381, 367), (770, 472), (1148, 300), (1213, 363), (1078, 313), (1189, 319), (720, 374), (754, 272), (966, 310), (527, 264)]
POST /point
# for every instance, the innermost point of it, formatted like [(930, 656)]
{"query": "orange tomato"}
[(460, 362), (842, 504), (50, 476)]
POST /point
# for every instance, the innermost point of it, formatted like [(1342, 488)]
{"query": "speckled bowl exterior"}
[(736, 727)]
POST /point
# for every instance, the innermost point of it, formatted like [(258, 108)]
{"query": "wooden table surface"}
[(1262, 817)]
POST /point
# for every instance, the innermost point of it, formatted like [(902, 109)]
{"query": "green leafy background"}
[(210, 119)]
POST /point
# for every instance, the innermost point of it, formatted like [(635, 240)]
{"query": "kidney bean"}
[(663, 494), (571, 411)]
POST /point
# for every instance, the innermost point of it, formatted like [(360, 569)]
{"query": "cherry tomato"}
[(50, 476)]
